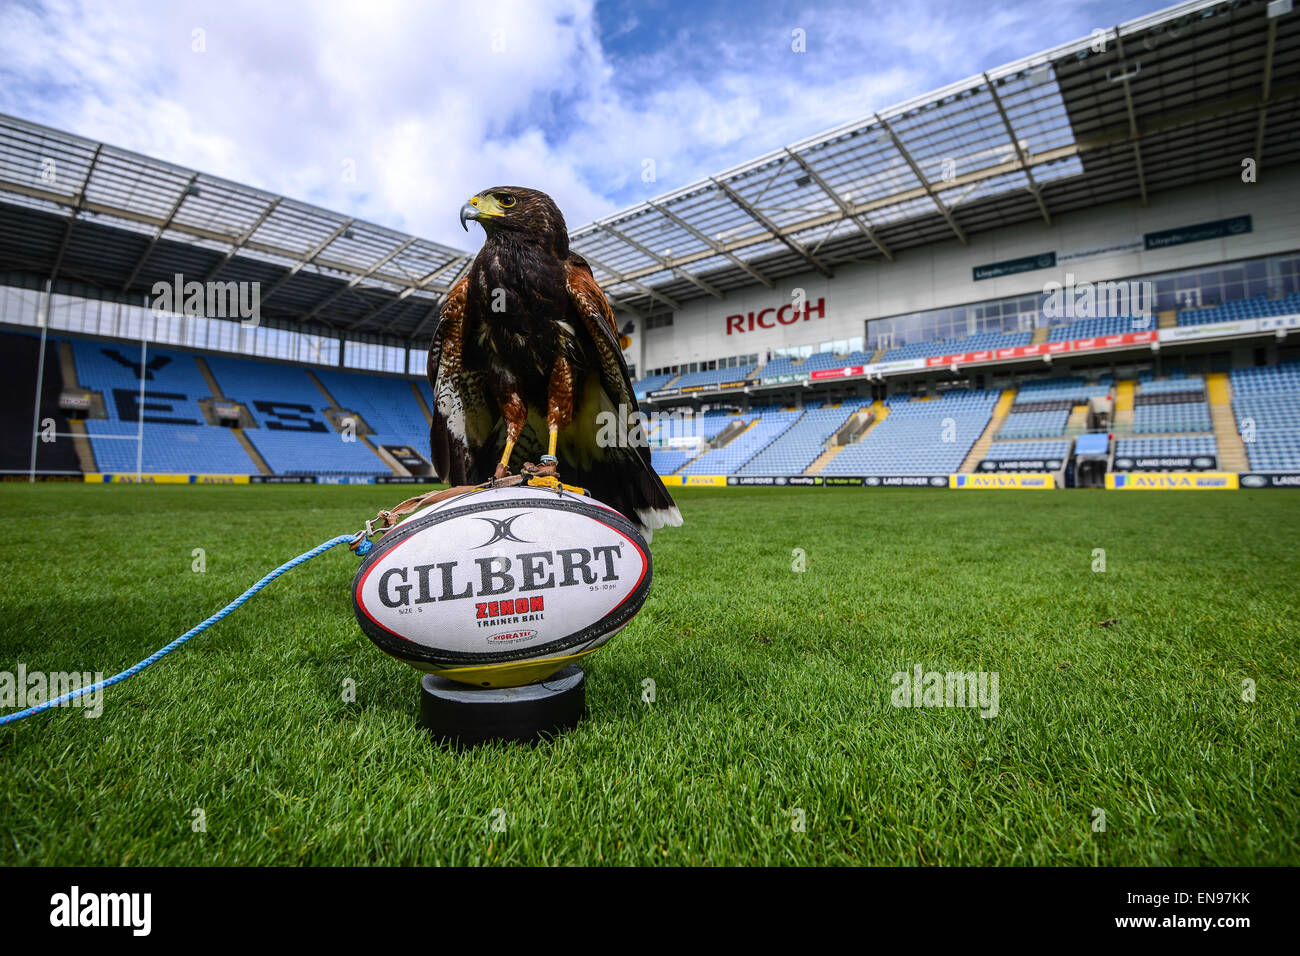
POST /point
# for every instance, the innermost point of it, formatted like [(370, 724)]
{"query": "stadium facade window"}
[(374, 356), (19, 306), (1200, 287)]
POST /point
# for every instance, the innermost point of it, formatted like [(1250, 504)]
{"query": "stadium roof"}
[(76, 209), (1174, 98), (1167, 100)]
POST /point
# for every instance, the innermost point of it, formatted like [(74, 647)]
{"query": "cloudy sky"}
[(396, 112)]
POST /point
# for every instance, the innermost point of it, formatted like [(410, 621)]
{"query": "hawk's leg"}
[(559, 414), (515, 415)]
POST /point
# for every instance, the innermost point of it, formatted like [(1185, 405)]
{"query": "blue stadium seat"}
[(728, 459), (798, 447), (1266, 402), (1015, 450), (717, 376), (387, 404), (919, 437), (1257, 307), (1105, 325), (177, 439), (971, 343), (293, 436), (652, 382)]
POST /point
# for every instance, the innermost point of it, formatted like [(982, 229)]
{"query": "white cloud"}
[(430, 111)]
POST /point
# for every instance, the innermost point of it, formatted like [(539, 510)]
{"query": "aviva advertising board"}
[(1040, 481), (1173, 481)]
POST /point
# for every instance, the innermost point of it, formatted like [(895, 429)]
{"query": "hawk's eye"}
[(506, 201)]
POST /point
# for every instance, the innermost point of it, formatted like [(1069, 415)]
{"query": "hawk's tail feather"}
[(648, 519), (633, 489), (651, 504)]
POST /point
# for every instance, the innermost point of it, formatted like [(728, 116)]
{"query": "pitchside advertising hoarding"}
[(1167, 463), (1020, 464), (1037, 482), (1145, 481), (1256, 481), (1173, 481), (108, 478)]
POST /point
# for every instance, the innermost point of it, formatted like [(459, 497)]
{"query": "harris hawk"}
[(526, 357)]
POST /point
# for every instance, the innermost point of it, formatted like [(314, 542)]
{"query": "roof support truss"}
[(157, 233), (717, 248), (694, 280), (1034, 189), (844, 207), (305, 258), (773, 228), (1267, 91), (619, 277), (412, 289), (925, 183), (243, 238), (72, 215), (356, 280), (1133, 131)]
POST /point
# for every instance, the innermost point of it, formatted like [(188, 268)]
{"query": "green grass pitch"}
[(772, 688)]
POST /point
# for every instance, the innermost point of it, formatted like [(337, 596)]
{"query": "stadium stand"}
[(1266, 402), (1188, 447), (781, 366), (1253, 308), (717, 376), (1181, 384), (386, 405), (666, 461), (1014, 450), (972, 343), (727, 460), (705, 426), (795, 449), (823, 360), (1169, 405), (176, 438), (1071, 389), (910, 441), (652, 382), (1172, 417), (294, 437), (19, 356), (1105, 325), (1046, 424)]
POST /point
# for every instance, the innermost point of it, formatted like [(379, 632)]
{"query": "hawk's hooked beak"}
[(480, 208)]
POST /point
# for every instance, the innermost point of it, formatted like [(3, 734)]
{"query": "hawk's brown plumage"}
[(526, 342)]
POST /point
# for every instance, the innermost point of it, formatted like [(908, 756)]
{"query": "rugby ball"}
[(502, 587)]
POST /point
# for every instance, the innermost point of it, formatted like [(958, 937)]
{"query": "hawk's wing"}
[(622, 477), (593, 308), (464, 413)]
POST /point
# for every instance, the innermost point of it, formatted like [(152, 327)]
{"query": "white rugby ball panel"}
[(500, 576)]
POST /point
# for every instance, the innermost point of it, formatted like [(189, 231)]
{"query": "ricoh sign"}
[(788, 313)]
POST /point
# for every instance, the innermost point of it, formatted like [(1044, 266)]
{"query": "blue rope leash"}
[(160, 654)]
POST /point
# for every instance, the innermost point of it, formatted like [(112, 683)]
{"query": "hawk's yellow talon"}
[(549, 481)]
